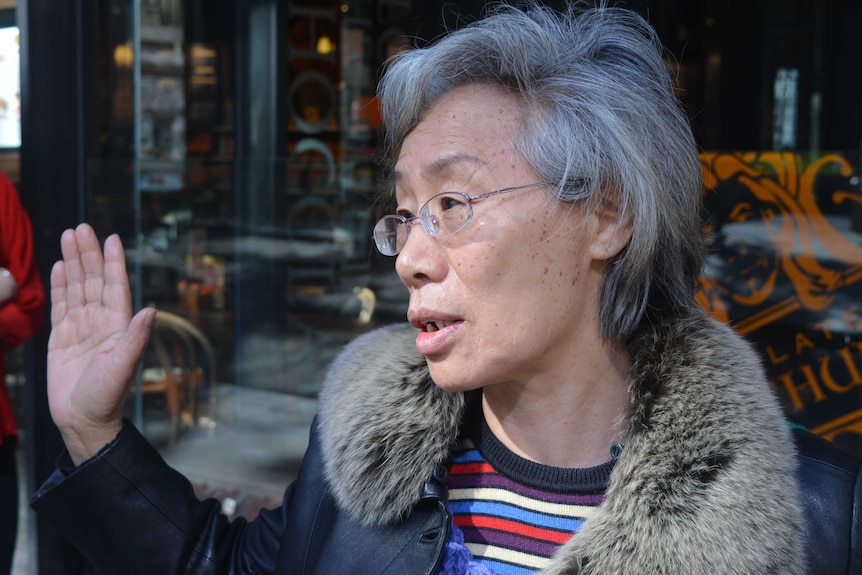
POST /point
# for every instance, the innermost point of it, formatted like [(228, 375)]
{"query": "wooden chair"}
[(179, 363)]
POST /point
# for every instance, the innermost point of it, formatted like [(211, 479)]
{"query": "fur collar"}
[(705, 484)]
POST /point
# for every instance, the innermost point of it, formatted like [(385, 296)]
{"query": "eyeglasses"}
[(441, 216)]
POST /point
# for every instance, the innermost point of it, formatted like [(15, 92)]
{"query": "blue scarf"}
[(457, 559)]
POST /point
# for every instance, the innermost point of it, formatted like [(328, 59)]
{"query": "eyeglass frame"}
[(469, 200)]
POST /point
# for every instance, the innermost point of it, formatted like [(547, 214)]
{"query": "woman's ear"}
[(612, 230)]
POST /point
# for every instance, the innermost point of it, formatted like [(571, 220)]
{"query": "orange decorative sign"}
[(785, 270)]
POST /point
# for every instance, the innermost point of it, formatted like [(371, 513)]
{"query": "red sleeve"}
[(21, 317)]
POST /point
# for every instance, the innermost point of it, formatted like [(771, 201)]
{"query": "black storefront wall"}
[(53, 120)]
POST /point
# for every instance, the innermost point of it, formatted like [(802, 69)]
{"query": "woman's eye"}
[(450, 202)]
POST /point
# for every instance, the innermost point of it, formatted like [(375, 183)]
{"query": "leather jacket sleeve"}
[(128, 512), (830, 484)]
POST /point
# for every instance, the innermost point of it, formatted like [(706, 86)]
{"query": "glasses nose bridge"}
[(421, 221), (407, 224)]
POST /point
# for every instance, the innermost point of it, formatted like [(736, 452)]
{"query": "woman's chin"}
[(452, 382)]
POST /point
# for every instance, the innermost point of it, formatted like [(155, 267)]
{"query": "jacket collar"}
[(705, 484)]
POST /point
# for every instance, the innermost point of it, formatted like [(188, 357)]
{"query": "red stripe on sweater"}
[(513, 527)]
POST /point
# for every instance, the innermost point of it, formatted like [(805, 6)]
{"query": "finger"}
[(74, 271), (58, 293), (92, 262), (118, 295)]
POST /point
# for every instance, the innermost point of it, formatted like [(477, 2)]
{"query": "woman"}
[(558, 403), (22, 303)]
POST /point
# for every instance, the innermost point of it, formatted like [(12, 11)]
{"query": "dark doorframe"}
[(53, 148), (259, 295)]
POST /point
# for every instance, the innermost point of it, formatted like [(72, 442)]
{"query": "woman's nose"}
[(422, 259)]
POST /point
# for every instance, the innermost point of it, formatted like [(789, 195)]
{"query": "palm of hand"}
[(95, 343), (86, 365)]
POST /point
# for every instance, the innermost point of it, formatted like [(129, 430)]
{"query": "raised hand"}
[(95, 344)]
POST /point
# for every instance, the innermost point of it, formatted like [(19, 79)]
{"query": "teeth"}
[(436, 325)]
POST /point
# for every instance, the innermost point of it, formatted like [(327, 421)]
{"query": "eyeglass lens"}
[(442, 215), (390, 234), (445, 214)]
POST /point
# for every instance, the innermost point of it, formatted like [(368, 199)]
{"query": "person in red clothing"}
[(22, 300)]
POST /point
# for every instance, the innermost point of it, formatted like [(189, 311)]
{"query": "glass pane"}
[(242, 388), (261, 267)]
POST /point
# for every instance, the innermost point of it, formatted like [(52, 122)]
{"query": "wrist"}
[(84, 444)]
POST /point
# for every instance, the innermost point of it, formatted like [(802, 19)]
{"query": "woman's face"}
[(512, 297)]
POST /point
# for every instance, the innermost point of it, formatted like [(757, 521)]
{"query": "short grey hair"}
[(601, 121)]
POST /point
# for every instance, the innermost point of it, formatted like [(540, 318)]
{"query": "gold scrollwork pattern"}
[(786, 255)]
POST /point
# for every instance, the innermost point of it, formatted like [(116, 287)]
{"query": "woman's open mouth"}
[(437, 325)]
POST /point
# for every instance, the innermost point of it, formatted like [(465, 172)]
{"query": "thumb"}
[(138, 334)]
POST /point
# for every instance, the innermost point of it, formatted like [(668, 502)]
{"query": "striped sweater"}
[(515, 513)]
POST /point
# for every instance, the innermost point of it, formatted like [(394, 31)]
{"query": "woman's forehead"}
[(446, 165), (468, 117)]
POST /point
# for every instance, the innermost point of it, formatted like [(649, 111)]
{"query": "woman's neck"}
[(569, 423)]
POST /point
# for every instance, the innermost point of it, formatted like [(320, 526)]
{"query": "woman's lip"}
[(430, 343)]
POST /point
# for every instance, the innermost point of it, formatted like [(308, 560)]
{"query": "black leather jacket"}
[(166, 530), (830, 484)]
